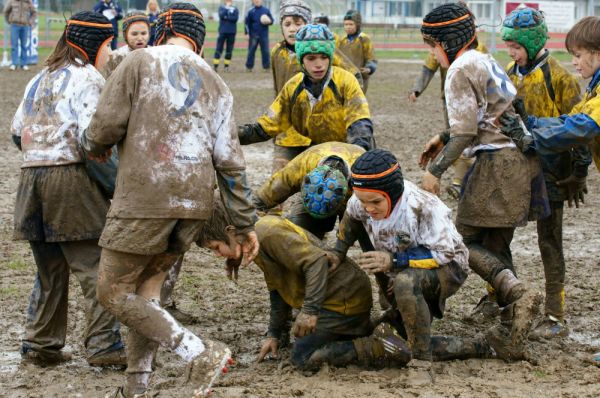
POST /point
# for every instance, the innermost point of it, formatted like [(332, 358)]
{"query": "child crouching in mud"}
[(60, 209), (174, 134)]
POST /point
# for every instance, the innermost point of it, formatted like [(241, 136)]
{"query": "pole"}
[(590, 7), (495, 17)]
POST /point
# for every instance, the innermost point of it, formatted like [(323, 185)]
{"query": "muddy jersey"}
[(56, 109), (172, 118), (297, 118), (359, 51), (116, 57), (288, 181), (418, 219), (544, 98), (287, 250), (431, 63), (477, 92), (284, 65)]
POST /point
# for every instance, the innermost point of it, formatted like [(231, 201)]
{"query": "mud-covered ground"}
[(238, 314)]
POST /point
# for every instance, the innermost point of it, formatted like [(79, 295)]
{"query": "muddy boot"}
[(522, 304), (182, 317), (205, 369), (453, 190), (420, 373), (446, 348), (384, 348), (549, 328), (486, 310), (44, 358), (109, 358)]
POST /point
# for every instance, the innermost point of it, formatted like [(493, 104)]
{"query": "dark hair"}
[(64, 55), (215, 228), (584, 35)]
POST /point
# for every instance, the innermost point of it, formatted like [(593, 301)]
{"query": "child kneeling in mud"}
[(174, 132), (415, 246)]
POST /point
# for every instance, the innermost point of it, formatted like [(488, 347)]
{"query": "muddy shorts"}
[(150, 236), (497, 190), (58, 204)]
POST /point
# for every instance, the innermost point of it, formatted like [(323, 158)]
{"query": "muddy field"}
[(238, 313)]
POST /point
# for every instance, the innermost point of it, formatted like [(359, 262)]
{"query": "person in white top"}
[(59, 208)]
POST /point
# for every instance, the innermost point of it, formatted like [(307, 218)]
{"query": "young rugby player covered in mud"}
[(60, 209), (357, 46), (547, 89), (321, 172), (323, 103), (498, 190), (294, 14), (416, 253), (174, 133)]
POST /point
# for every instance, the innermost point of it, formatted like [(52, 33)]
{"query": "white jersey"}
[(418, 219), (56, 109)]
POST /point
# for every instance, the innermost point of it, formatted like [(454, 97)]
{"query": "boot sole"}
[(525, 310), (219, 370)]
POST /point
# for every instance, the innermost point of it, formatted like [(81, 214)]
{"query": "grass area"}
[(17, 265), (10, 291)]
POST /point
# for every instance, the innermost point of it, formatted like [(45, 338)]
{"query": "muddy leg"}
[(102, 331), (446, 348), (551, 248), (46, 325), (123, 281), (414, 311)]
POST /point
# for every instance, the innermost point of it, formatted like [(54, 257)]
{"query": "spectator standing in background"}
[(228, 17), (152, 11), (257, 24), (20, 14), (113, 11)]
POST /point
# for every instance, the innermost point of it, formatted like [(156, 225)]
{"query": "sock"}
[(190, 346)]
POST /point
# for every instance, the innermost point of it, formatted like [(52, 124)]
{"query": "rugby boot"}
[(108, 358), (204, 370), (549, 328), (43, 358), (486, 310), (384, 348)]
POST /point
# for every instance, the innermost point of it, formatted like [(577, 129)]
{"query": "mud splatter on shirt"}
[(478, 91), (57, 107), (172, 118), (418, 219)]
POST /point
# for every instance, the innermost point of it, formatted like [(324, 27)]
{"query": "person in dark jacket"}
[(113, 11), (152, 11), (257, 24), (228, 17)]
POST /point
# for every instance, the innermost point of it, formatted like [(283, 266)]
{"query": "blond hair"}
[(148, 6)]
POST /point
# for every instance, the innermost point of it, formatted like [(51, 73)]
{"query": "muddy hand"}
[(430, 183), (372, 262), (304, 325), (250, 247), (270, 346), (334, 261), (432, 148), (232, 267), (576, 189)]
